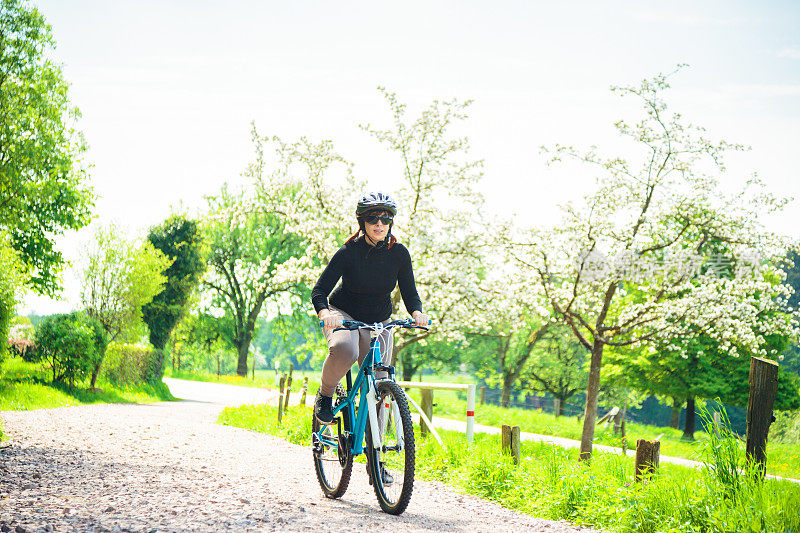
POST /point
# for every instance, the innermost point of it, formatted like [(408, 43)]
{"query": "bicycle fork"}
[(377, 441), (372, 404)]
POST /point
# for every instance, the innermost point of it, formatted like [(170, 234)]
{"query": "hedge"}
[(131, 364)]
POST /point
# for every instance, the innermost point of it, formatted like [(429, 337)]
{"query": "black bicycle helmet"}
[(376, 201)]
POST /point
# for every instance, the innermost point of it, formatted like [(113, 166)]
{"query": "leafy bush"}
[(26, 386), (71, 344), (131, 364), (786, 428), (20, 347)]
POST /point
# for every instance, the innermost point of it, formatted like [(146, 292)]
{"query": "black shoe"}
[(386, 478), (323, 409)]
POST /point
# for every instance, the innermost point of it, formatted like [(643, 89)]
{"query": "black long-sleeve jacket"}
[(369, 275)]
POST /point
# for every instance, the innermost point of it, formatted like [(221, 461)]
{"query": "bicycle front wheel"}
[(333, 464), (391, 466)]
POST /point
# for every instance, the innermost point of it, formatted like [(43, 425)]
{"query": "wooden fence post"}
[(304, 391), (515, 444), (623, 437), (427, 408), (556, 406), (280, 398), (483, 394), (509, 441), (763, 389), (608, 416), (647, 453), (288, 387), (618, 421), (505, 438)]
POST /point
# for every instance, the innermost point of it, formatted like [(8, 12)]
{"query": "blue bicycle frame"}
[(365, 381)]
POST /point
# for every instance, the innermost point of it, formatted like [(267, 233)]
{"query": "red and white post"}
[(470, 413)]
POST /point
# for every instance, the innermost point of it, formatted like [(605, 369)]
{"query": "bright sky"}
[(168, 89)]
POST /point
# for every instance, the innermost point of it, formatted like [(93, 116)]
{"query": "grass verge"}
[(551, 483), (25, 386), (264, 378), (782, 459)]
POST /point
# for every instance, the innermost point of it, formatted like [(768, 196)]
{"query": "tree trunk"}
[(559, 406), (243, 350), (688, 428), (675, 415), (592, 391), (407, 366), (763, 390), (508, 382), (96, 372)]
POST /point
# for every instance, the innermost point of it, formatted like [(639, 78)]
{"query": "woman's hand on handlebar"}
[(420, 319), (329, 320)]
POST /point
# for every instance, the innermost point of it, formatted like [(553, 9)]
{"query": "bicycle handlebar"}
[(352, 325)]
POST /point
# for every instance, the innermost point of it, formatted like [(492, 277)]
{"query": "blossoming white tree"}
[(510, 316), (439, 217), (636, 261)]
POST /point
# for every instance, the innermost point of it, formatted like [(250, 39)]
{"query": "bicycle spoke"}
[(332, 462), (392, 467)]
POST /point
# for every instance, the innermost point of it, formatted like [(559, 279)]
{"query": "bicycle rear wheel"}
[(333, 464), (391, 468)]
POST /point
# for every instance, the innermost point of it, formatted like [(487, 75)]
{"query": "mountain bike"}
[(375, 409)]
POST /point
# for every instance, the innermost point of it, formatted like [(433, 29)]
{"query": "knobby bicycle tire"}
[(394, 497), (333, 470)]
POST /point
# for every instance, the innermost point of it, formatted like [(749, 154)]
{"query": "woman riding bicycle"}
[(370, 264)]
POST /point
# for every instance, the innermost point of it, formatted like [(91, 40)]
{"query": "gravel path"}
[(170, 467)]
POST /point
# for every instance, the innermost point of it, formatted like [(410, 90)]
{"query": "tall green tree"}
[(12, 278), (179, 239), (119, 278), (699, 368), (44, 187), (558, 366), (512, 347), (250, 248)]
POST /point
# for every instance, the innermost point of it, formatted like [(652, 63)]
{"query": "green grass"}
[(782, 459), (25, 386), (551, 483), (264, 378), (296, 426)]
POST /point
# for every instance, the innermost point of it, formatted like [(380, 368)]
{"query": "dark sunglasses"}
[(373, 219)]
